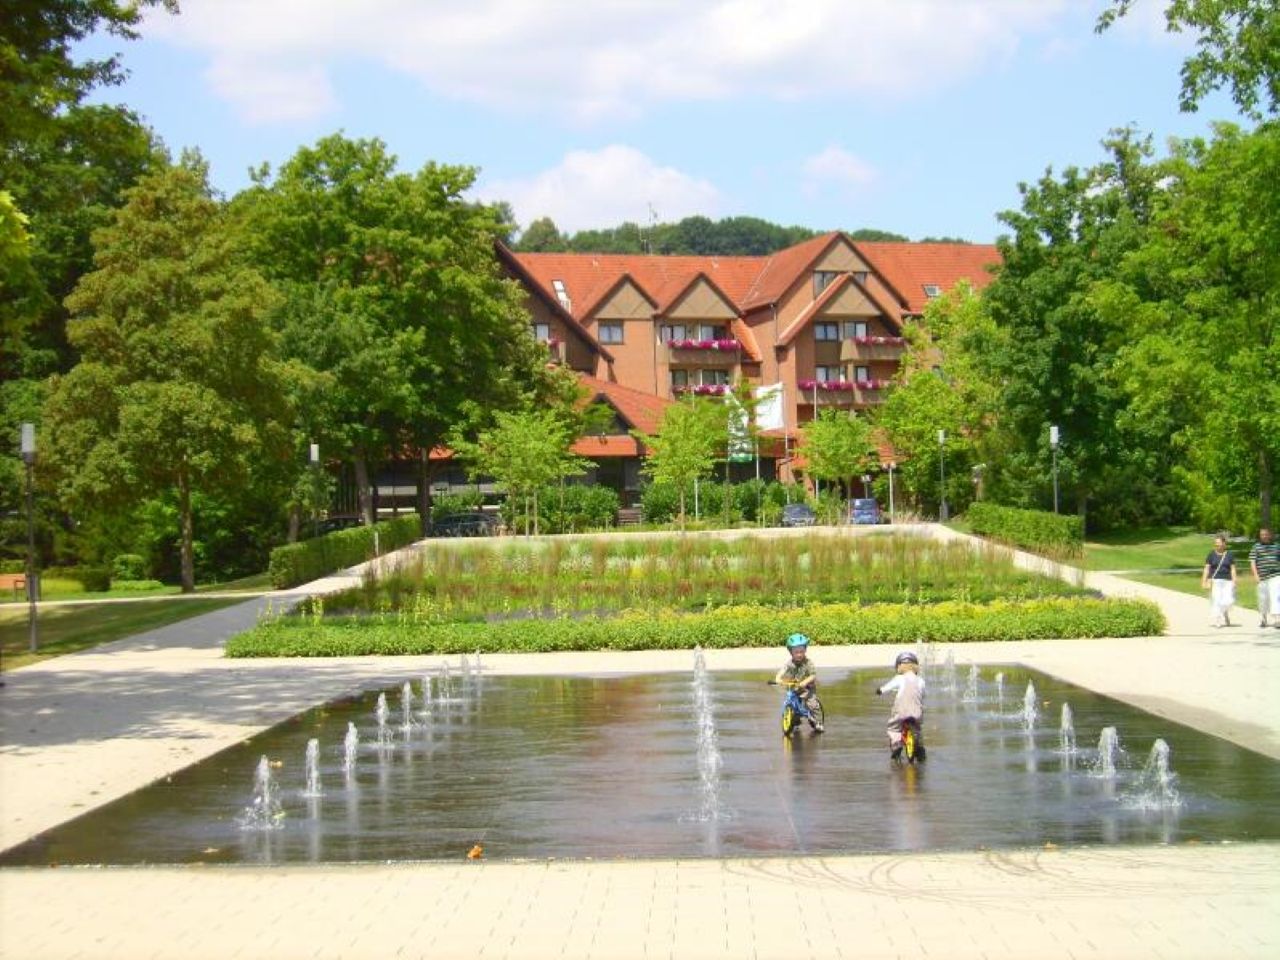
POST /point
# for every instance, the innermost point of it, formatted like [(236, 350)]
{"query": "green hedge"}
[(744, 626), (296, 563), (1034, 529)]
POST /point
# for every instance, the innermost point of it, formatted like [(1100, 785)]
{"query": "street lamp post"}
[(28, 450), (944, 513), (1053, 443), (315, 486)]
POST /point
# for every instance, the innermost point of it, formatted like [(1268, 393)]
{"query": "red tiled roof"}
[(782, 269), (641, 410), (548, 296), (599, 447), (589, 277), (908, 267), (888, 311)]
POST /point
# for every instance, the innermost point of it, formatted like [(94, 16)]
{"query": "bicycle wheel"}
[(816, 717), (788, 720), (909, 743)]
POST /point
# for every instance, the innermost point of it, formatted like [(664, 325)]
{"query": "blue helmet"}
[(797, 640)]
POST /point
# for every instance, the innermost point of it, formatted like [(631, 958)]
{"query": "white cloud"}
[(835, 167), (592, 189), (591, 60)]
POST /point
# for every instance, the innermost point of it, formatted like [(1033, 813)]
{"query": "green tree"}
[(691, 437), (1054, 353), (542, 236), (392, 291), (1203, 367), (838, 447), (177, 390), (523, 451), (1237, 46)]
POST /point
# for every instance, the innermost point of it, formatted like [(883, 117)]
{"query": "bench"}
[(16, 582), (630, 516)]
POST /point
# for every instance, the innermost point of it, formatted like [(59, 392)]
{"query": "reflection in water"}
[(595, 767)]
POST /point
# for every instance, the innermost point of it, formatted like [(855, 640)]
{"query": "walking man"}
[(1264, 558)]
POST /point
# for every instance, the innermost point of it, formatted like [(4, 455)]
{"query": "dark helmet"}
[(797, 640), (906, 657)]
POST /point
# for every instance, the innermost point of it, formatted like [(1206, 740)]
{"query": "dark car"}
[(865, 510), (470, 523), (798, 515)]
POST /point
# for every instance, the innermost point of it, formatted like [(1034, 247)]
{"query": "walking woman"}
[(1220, 578)]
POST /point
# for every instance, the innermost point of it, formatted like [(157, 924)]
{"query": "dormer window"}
[(562, 295), (823, 279), (932, 290)]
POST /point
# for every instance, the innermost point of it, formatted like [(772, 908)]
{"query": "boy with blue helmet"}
[(800, 673)]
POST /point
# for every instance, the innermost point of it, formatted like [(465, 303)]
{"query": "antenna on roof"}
[(646, 240)]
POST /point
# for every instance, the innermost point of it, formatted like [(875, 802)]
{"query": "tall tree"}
[(392, 290), (177, 389), (543, 236), (1237, 46), (1203, 294), (1054, 354)]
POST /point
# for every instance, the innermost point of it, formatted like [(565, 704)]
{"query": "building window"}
[(710, 378), (823, 279), (860, 276), (610, 333), (679, 378), (855, 328), (562, 295), (861, 374), (673, 331), (932, 290), (828, 374), (707, 331), (542, 331), (826, 331)]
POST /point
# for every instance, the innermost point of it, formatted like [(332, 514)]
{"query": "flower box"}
[(728, 346), (703, 389), (881, 341)]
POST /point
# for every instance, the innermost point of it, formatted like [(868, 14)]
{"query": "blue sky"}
[(916, 116)]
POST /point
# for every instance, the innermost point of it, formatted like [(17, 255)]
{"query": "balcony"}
[(715, 353), (843, 393), (862, 349)]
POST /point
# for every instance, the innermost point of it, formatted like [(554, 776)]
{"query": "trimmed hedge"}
[(1034, 529), (296, 563), (743, 626)]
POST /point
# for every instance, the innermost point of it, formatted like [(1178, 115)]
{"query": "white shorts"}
[(1269, 597), (1224, 595)]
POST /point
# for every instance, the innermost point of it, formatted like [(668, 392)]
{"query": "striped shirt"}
[(1266, 558)]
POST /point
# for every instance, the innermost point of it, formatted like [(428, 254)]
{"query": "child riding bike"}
[(908, 704), (800, 675)]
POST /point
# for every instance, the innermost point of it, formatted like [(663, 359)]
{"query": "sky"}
[(916, 116)]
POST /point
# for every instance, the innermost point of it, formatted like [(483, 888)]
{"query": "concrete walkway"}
[(80, 730)]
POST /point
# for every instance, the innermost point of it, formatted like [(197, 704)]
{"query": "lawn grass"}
[(1153, 548), (1189, 582), (66, 629), (57, 588)]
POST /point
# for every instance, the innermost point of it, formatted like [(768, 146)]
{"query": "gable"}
[(850, 301), (701, 301), (841, 258), (627, 302)]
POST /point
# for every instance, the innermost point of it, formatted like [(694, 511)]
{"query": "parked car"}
[(469, 523), (865, 510), (798, 515)]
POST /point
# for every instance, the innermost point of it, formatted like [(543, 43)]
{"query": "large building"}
[(822, 321)]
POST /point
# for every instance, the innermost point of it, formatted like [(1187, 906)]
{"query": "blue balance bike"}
[(794, 710)]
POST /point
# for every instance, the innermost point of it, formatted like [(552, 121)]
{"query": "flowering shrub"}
[(704, 389), (881, 341), (729, 346), (842, 386)]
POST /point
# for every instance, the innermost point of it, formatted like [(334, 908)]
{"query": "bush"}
[(661, 502), (1033, 529), (740, 626), (450, 504), (297, 563), (135, 586), (128, 566), (95, 579)]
